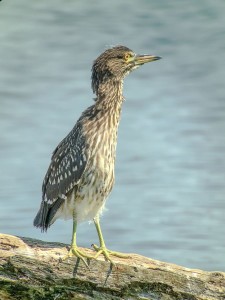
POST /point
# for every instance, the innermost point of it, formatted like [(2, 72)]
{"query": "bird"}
[(80, 176)]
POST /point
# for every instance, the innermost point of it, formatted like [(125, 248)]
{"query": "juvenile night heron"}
[(81, 173)]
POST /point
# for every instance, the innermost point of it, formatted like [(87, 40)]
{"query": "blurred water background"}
[(169, 199)]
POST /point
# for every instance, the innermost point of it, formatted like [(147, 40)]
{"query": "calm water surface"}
[(169, 199)]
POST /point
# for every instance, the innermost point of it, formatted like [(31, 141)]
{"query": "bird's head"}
[(115, 63)]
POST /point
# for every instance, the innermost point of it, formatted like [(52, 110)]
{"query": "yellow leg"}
[(102, 249), (74, 250)]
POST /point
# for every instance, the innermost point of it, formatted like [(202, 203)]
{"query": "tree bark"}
[(33, 269)]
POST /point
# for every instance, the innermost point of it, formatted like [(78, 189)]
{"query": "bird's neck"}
[(110, 95)]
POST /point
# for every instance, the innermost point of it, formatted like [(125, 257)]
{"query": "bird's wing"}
[(67, 166)]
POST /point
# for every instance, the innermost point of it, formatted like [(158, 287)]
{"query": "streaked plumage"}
[(81, 172)]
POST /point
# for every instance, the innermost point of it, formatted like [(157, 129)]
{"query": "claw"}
[(74, 251), (103, 250)]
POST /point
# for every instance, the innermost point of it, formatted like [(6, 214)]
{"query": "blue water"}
[(168, 202)]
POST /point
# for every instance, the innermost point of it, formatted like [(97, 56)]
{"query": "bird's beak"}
[(142, 59)]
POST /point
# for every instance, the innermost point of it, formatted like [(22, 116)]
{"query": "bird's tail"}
[(46, 213)]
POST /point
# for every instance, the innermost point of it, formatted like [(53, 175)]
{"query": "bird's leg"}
[(102, 248), (74, 250)]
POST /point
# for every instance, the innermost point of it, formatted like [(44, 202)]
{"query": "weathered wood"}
[(32, 269)]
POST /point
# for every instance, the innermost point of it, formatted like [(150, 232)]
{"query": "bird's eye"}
[(127, 56)]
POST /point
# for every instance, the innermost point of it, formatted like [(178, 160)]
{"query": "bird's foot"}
[(103, 250), (75, 251)]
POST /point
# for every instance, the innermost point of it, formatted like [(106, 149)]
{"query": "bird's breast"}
[(102, 157), (101, 138)]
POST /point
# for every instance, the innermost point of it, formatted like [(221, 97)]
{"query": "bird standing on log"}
[(81, 173)]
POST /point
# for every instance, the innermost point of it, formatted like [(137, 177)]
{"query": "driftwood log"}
[(32, 269)]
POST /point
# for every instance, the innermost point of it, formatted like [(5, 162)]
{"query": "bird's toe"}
[(107, 253)]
